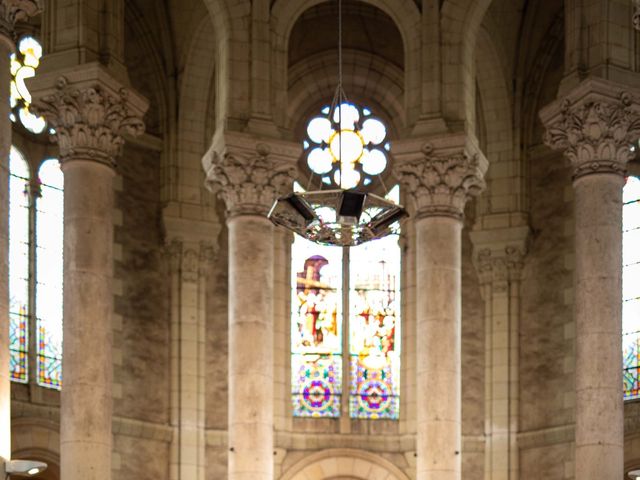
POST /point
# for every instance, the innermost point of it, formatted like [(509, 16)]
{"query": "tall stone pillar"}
[(89, 112), (595, 125), (248, 175), (499, 258), (191, 247), (10, 12), (440, 177)]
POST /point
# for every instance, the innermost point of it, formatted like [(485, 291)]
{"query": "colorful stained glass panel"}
[(374, 324), (317, 385), (316, 330), (49, 274), (18, 266), (631, 287)]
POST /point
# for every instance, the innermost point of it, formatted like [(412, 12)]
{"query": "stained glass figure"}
[(631, 288), (23, 65), (316, 330), (49, 274), (347, 149), (18, 266), (374, 329)]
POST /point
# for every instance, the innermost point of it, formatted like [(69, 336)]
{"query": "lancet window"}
[(345, 301)]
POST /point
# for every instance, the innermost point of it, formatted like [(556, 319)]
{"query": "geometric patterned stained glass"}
[(49, 274), (316, 329), (631, 288), (374, 326), (18, 266)]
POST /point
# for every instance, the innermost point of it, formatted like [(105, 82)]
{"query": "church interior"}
[(184, 299)]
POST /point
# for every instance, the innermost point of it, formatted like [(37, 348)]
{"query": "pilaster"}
[(499, 260), (191, 249)]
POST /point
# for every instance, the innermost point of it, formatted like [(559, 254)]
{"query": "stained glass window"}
[(18, 266), (631, 288), (374, 329), (49, 241), (23, 65), (316, 329), (42, 292), (369, 312)]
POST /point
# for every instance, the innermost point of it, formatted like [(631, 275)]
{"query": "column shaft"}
[(86, 403), (250, 348), (598, 299), (438, 312), (5, 145)]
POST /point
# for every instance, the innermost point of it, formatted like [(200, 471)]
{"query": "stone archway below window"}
[(344, 464)]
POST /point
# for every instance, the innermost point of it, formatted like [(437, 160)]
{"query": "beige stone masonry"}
[(90, 113), (10, 12), (499, 259), (248, 173), (439, 175), (595, 124)]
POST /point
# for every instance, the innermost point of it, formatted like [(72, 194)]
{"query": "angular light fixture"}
[(347, 148), (25, 468)]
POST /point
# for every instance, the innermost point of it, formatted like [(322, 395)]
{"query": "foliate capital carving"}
[(441, 180), (247, 174), (190, 261), (12, 11), (89, 120), (499, 266), (595, 125)]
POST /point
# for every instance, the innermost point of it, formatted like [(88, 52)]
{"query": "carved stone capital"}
[(190, 261), (595, 125), (636, 15), (249, 174), (440, 175), (499, 266), (12, 11), (498, 255), (90, 113)]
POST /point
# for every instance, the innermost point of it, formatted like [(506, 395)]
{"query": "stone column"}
[(595, 125), (191, 248), (439, 177), (90, 113), (498, 257), (248, 176), (10, 12)]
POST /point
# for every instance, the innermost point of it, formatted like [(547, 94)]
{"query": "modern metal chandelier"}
[(347, 149)]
